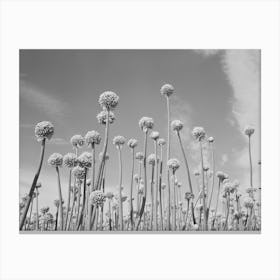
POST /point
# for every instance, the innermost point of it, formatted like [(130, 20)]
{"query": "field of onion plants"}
[(155, 200)]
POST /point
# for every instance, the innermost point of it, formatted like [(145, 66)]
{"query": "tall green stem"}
[(33, 186), (251, 167), (167, 169), (120, 189), (155, 219), (60, 197), (68, 198), (145, 181), (131, 190), (37, 209), (160, 190), (188, 173), (217, 202), (203, 189), (213, 181)]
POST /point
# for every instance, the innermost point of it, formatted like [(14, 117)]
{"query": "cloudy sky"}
[(216, 89)]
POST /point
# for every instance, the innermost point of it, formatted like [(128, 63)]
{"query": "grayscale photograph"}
[(140, 140)]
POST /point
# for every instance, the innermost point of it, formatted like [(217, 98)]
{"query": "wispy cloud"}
[(242, 69), (42, 100), (58, 141)]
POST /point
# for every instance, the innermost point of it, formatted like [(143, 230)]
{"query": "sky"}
[(216, 89)]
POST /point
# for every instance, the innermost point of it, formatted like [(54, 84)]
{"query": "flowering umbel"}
[(167, 90), (173, 164), (139, 155), (85, 160), (97, 198), (70, 160), (92, 137), (55, 159), (151, 159), (146, 123), (118, 141), (249, 130), (161, 142), (154, 135), (77, 141), (177, 125), (78, 172), (132, 143), (44, 130), (102, 117), (198, 133), (108, 100)]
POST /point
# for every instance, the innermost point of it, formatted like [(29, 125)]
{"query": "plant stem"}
[(120, 189), (145, 181), (203, 189), (68, 198), (33, 186), (167, 158), (60, 197), (131, 190)]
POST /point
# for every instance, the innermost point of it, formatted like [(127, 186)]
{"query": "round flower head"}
[(167, 90), (132, 143), (118, 141), (154, 135), (97, 198), (146, 123), (206, 168), (108, 100), (55, 160), (163, 186), (141, 189), (249, 130), (77, 141), (56, 203), (85, 160), (161, 142), (88, 182), (151, 159), (101, 155), (109, 195), (227, 187), (44, 130), (136, 178), (198, 133), (248, 202), (139, 156), (189, 195), (93, 137), (250, 190), (102, 117), (78, 172), (173, 164), (177, 125), (70, 160), (44, 210), (210, 139), (221, 175)]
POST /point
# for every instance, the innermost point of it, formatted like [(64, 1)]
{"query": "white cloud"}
[(58, 141), (242, 68), (208, 52), (41, 100)]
